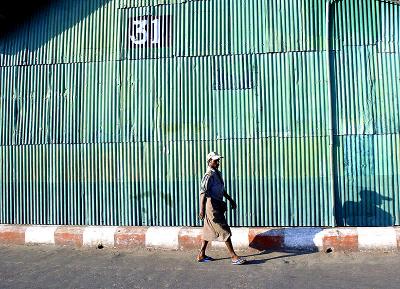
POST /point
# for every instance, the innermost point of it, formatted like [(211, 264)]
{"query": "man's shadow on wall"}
[(368, 211)]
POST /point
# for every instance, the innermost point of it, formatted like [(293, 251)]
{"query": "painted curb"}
[(266, 238), (240, 239), (377, 238), (188, 238), (163, 237), (69, 236), (303, 238), (128, 237), (99, 236), (40, 235), (12, 234), (341, 239)]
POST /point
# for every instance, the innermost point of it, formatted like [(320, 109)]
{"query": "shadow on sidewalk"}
[(266, 252)]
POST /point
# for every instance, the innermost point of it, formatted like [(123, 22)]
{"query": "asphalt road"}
[(55, 267)]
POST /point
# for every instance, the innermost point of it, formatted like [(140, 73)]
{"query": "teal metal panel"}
[(204, 28), (363, 23), (86, 31), (366, 93), (251, 90), (368, 180), (157, 183), (292, 91), (65, 32)]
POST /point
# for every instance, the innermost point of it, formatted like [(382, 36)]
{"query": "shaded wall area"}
[(367, 113)]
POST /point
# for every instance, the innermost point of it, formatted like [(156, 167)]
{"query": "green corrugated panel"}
[(367, 22), (7, 79), (65, 32), (204, 28), (368, 180), (157, 183), (291, 88), (243, 88), (101, 103), (367, 114), (145, 3), (367, 91), (85, 31), (42, 104)]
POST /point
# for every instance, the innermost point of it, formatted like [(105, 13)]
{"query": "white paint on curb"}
[(377, 238), (163, 237), (319, 239), (303, 238), (240, 239), (40, 234), (94, 236), (340, 232), (374, 238)]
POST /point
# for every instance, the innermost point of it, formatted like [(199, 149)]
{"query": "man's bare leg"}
[(203, 248), (231, 250)]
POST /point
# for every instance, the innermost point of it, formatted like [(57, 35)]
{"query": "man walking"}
[(212, 210)]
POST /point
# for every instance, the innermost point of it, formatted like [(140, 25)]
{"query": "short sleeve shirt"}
[(212, 184)]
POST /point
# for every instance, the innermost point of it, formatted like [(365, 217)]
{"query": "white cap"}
[(213, 156)]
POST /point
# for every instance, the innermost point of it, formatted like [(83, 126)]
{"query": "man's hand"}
[(233, 205), (201, 215)]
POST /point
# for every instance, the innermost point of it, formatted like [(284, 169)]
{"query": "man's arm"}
[(203, 201), (203, 196), (229, 198)]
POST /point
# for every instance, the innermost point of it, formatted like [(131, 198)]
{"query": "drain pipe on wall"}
[(330, 109)]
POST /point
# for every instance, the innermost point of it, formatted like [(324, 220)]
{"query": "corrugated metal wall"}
[(367, 93), (94, 130)]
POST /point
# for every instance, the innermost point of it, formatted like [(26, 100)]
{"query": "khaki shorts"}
[(215, 226)]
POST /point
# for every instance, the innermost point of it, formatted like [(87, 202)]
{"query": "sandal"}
[(239, 261), (205, 259)]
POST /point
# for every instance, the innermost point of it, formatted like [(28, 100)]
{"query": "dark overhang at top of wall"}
[(15, 12)]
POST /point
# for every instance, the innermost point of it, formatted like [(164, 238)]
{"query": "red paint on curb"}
[(265, 238), (338, 239), (69, 236), (13, 235), (127, 237), (344, 239), (190, 238)]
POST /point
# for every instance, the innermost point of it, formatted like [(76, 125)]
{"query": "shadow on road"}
[(266, 252)]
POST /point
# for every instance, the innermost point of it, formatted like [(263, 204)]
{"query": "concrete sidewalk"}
[(187, 238), (65, 267)]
